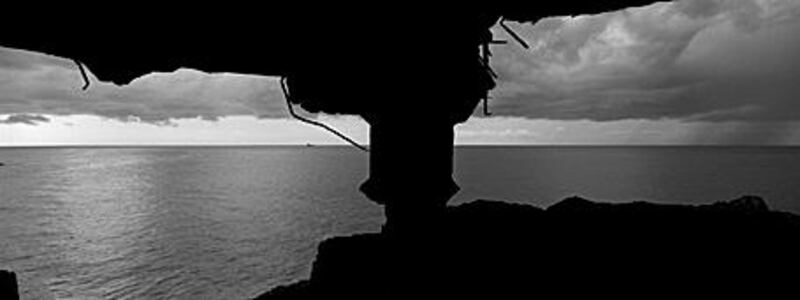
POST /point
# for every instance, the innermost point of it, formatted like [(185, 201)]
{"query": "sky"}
[(689, 72)]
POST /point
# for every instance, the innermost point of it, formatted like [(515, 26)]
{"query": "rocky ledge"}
[(8, 285), (573, 248)]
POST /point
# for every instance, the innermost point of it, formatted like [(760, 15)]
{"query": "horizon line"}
[(311, 145)]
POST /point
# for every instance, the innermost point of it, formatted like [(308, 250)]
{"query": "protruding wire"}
[(514, 35), (488, 69), (86, 81), (315, 123), (486, 111)]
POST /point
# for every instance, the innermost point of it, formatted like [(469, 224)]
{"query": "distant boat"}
[(2, 164), (309, 145)]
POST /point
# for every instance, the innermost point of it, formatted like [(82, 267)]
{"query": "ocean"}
[(233, 222)]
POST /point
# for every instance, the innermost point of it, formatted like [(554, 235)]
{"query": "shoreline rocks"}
[(576, 247), (8, 285)]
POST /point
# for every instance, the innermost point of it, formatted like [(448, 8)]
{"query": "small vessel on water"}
[(309, 145)]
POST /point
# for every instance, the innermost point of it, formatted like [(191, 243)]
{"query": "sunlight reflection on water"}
[(174, 223), (229, 223)]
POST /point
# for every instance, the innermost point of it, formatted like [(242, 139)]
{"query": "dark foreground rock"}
[(8, 285), (574, 248)]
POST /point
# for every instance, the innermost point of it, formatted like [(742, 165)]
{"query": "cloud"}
[(24, 119), (691, 60), (30, 84), (716, 60), (745, 133), (12, 59)]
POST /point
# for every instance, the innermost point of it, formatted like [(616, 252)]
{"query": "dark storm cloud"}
[(700, 60), (24, 119)]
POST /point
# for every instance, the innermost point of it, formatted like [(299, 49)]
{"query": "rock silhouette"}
[(8, 285), (412, 72), (573, 248)]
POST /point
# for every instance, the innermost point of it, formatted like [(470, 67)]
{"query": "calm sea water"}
[(230, 223)]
